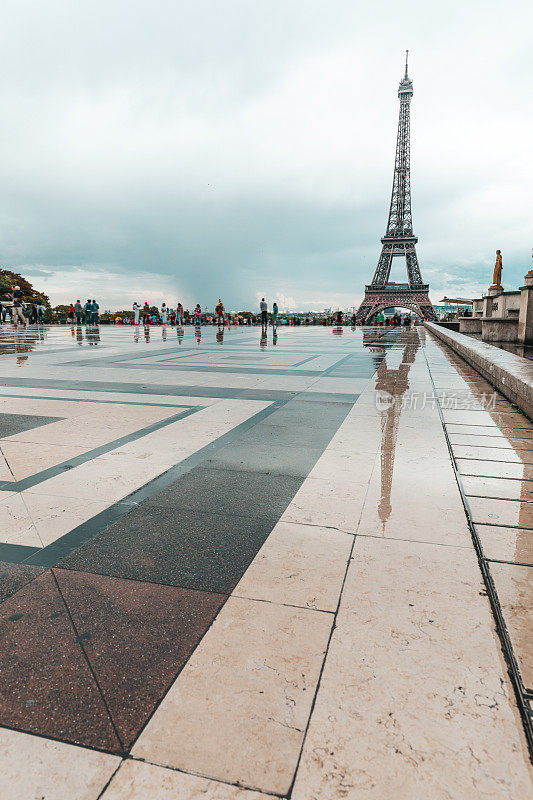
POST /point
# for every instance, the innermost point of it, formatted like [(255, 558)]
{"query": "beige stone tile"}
[(16, 524), (489, 430), (511, 443), (335, 502), (26, 458), (500, 420), (493, 454), (506, 544), (249, 683), (514, 586), (494, 469), (301, 565), (136, 780), (413, 701), (32, 768), (506, 488), (96, 425), (501, 512), (53, 517), (390, 509), (108, 478)]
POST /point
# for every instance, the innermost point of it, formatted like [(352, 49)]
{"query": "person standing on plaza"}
[(78, 312), (219, 312), (146, 313), (71, 314), (136, 312), (179, 314), (381, 318), (40, 313), (88, 310), (164, 314), (275, 314), (95, 315), (264, 313), (18, 299), (198, 314)]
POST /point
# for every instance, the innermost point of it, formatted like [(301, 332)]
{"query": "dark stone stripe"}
[(202, 531), (175, 391), (16, 553), (94, 400), (50, 555)]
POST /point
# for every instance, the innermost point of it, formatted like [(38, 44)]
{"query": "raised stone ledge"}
[(512, 375)]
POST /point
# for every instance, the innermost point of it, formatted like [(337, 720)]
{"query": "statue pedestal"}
[(525, 319), (494, 291)]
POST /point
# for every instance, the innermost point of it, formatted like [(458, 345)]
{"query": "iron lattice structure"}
[(399, 239)]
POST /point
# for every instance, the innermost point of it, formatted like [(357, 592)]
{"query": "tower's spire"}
[(406, 57)]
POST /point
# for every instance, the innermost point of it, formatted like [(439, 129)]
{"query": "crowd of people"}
[(13, 305)]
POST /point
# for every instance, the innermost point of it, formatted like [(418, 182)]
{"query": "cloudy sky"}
[(172, 149)]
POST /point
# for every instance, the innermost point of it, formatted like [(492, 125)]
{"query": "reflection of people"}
[(220, 335), (497, 277)]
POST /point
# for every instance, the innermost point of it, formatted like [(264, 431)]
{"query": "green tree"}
[(8, 279), (59, 313)]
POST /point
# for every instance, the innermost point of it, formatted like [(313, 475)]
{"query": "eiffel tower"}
[(399, 239)]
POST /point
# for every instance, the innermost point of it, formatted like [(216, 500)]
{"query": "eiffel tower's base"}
[(401, 295)]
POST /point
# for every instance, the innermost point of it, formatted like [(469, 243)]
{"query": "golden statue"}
[(497, 277)]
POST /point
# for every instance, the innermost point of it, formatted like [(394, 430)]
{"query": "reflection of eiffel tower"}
[(395, 383)]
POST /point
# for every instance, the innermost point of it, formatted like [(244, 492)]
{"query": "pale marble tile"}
[(506, 544), (250, 683), (514, 586), (299, 565), (16, 524), (335, 502), (27, 458), (108, 478), (493, 454), (54, 517), (136, 780), (488, 431), (503, 488), (32, 768), (414, 702), (433, 510), (501, 512), (494, 469)]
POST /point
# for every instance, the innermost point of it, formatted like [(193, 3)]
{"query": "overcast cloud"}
[(181, 150)]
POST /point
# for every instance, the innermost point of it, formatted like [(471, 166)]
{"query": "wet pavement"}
[(237, 565)]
